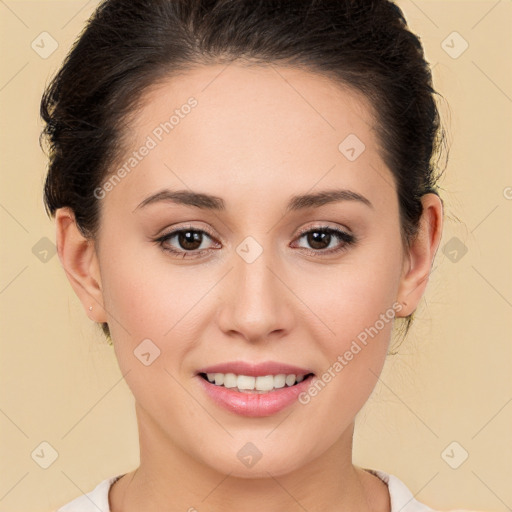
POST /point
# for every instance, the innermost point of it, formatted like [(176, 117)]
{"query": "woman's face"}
[(254, 280)]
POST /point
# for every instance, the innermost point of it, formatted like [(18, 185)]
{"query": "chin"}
[(248, 462)]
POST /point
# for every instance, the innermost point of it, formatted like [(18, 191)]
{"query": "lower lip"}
[(254, 404)]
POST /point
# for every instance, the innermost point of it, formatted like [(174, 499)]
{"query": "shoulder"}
[(92, 501), (401, 497)]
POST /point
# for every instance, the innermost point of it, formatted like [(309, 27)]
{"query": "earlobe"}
[(418, 263), (79, 259)]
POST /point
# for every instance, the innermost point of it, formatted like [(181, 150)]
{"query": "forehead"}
[(288, 104), (247, 125)]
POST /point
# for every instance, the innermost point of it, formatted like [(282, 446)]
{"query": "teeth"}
[(230, 380), (245, 382), (290, 380), (248, 383)]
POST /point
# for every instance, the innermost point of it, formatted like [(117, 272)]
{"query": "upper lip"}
[(255, 369)]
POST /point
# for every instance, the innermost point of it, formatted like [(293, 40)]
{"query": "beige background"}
[(451, 381)]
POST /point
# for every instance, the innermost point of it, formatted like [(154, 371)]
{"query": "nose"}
[(256, 304)]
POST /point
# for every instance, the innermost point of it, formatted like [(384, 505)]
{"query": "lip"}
[(254, 404), (255, 369)]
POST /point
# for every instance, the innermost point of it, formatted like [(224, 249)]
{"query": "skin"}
[(257, 136)]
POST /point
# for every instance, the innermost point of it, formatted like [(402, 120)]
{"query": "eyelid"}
[(323, 225), (170, 230)]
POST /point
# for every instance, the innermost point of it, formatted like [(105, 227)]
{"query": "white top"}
[(401, 497)]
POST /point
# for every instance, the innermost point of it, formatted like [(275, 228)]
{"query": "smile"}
[(247, 400), (251, 384)]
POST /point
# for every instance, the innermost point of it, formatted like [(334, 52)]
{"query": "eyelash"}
[(347, 238)]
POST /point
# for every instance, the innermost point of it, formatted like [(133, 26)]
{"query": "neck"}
[(168, 478)]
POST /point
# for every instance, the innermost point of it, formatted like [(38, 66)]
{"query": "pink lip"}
[(255, 370), (254, 404)]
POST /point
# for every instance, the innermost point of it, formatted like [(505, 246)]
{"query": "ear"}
[(418, 262), (78, 257)]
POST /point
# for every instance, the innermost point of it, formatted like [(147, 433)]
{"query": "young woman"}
[(245, 200)]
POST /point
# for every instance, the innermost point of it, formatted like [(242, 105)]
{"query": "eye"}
[(321, 240), (187, 242)]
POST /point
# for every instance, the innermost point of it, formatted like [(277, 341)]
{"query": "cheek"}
[(356, 304), (351, 297), (354, 354), (144, 294), (149, 318), (157, 301)]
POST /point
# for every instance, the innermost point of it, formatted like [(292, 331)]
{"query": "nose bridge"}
[(256, 305)]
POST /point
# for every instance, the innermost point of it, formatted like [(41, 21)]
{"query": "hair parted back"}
[(130, 45)]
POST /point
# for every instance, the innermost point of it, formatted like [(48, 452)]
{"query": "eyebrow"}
[(210, 202)]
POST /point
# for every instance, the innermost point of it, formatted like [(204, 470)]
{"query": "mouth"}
[(254, 389), (250, 384)]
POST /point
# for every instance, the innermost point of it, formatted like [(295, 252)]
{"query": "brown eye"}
[(185, 242), (189, 240), (320, 239)]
